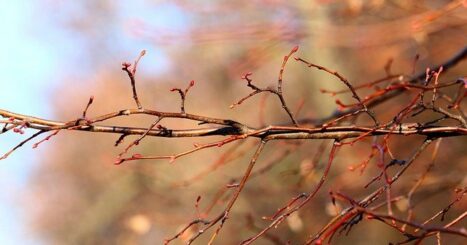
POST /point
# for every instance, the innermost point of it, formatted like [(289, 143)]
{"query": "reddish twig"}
[(346, 82), (131, 71), (91, 99), (183, 94)]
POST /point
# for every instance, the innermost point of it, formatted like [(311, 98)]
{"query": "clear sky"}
[(35, 52)]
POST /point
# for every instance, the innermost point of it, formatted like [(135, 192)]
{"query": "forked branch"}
[(450, 121)]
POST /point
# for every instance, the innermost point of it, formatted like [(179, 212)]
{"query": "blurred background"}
[(55, 54)]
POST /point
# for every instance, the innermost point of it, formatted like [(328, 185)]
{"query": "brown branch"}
[(453, 61), (277, 91), (331, 128), (91, 99), (350, 212), (21, 144), (131, 74), (420, 181), (183, 94), (192, 223), (347, 83), (232, 128), (428, 229), (225, 214), (282, 217), (232, 201), (279, 85)]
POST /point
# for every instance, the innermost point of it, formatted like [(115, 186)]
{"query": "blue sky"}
[(24, 64), (35, 53)]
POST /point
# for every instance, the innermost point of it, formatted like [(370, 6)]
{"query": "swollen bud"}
[(137, 156), (118, 161), (17, 130), (295, 49), (126, 65)]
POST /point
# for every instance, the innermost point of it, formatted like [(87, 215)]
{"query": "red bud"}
[(17, 130), (295, 49), (118, 161), (247, 75), (125, 65)]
